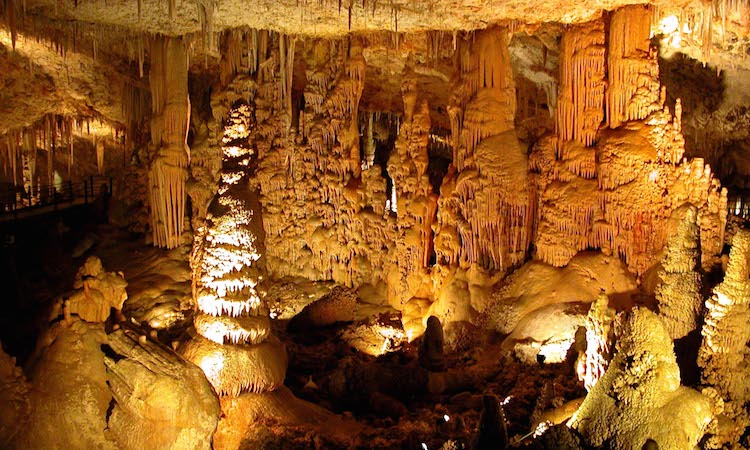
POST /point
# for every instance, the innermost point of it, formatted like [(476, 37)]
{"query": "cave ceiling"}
[(79, 57)]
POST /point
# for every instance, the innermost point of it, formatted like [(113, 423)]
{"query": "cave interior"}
[(275, 224)]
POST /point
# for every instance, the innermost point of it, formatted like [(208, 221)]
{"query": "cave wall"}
[(347, 194)]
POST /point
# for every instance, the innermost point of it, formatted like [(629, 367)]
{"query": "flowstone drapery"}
[(615, 189), (169, 129), (485, 210)]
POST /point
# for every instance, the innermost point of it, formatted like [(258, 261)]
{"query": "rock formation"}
[(234, 345), (431, 346), (599, 337), (485, 210), (723, 353), (161, 400), (169, 130), (14, 390), (616, 189), (678, 293), (492, 433), (494, 191), (96, 292), (639, 397)]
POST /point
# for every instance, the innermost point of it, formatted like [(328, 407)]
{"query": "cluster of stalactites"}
[(580, 102), (136, 104), (413, 201), (491, 61), (247, 50), (340, 227), (169, 125), (483, 102), (641, 175), (485, 209), (632, 66), (54, 135)]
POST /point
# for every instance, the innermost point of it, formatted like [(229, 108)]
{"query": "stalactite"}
[(632, 65), (100, 156), (289, 78), (253, 47), (580, 105), (171, 110), (71, 156), (286, 70)]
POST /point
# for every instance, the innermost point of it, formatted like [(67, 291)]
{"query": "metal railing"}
[(16, 199)]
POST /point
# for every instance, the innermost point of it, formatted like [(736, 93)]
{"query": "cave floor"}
[(387, 400)]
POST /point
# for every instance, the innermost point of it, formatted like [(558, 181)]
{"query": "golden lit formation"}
[(430, 225)]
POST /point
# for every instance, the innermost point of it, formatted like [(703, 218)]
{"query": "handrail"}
[(18, 199)]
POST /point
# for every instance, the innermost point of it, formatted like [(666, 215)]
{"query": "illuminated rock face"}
[(234, 345), (599, 337), (14, 390), (485, 210), (161, 400), (723, 354), (640, 397), (617, 193)]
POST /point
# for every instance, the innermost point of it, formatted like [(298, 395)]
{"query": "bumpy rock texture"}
[(618, 192), (640, 397), (233, 344), (723, 353), (678, 293), (97, 292)]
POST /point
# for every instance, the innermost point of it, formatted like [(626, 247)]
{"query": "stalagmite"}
[(640, 397), (234, 346), (492, 432), (678, 293), (431, 346), (96, 292), (599, 339), (169, 127), (723, 355)]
